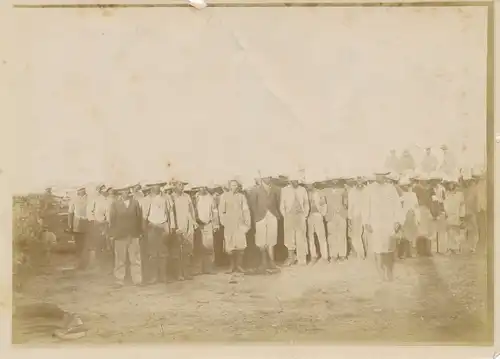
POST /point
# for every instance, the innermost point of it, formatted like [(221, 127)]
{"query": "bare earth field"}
[(438, 299)]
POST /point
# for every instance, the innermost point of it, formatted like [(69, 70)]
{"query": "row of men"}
[(429, 163), (373, 213)]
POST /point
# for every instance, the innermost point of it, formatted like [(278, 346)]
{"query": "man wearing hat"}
[(159, 222), (126, 230), (438, 221), (78, 223), (207, 217), (235, 217), (355, 211), (100, 222), (449, 165), (316, 220), (294, 206), (185, 225), (454, 209), (406, 162), (336, 219), (411, 218), (264, 201), (392, 161), (429, 162), (383, 222)]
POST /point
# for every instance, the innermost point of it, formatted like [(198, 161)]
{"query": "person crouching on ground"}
[(126, 231), (383, 222), (454, 210), (235, 217)]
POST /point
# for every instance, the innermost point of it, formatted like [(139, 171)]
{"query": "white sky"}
[(228, 91)]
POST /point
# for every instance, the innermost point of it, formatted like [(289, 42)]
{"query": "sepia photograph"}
[(275, 174)]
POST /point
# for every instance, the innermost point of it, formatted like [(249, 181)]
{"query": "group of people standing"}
[(165, 231)]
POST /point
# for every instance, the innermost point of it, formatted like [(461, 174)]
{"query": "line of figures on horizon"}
[(162, 232)]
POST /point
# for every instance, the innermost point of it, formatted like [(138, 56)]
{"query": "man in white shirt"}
[(429, 162), (158, 215), (100, 223), (383, 222), (355, 211), (294, 206), (185, 226), (410, 218), (78, 225), (316, 221), (207, 217)]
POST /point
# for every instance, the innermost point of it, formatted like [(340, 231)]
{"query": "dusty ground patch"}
[(440, 299)]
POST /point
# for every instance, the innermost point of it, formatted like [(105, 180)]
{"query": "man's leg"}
[(207, 239), (120, 246), (342, 237), (289, 240), (357, 242), (151, 260), (186, 256), (271, 240), (134, 252), (301, 239)]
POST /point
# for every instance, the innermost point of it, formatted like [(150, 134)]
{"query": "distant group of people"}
[(165, 231)]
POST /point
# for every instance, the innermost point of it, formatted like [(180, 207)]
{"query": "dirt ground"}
[(438, 299)]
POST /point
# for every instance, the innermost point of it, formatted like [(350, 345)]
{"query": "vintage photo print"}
[(223, 173)]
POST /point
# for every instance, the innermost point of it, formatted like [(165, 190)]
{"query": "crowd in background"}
[(167, 231)]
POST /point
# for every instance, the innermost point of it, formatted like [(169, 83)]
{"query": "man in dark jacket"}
[(264, 202), (126, 229)]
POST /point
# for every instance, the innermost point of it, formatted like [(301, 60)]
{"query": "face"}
[(81, 192), (428, 151), (155, 190), (380, 179), (267, 180), (203, 191), (127, 194), (233, 186), (179, 187), (294, 183)]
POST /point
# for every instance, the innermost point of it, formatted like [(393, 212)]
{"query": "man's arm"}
[(71, 214), (305, 199), (282, 201)]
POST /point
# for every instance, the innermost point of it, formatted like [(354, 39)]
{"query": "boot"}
[(239, 262), (176, 270), (186, 268), (208, 264), (263, 263), (290, 259), (232, 260)]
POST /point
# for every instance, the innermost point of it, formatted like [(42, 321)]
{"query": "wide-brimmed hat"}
[(167, 187), (436, 176), (404, 181), (81, 188), (101, 187), (382, 173)]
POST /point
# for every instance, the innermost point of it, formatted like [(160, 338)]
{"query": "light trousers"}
[(356, 235), (316, 225), (295, 236), (266, 231), (337, 241), (130, 247)]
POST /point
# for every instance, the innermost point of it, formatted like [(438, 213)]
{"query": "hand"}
[(397, 227), (111, 238), (216, 228)]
